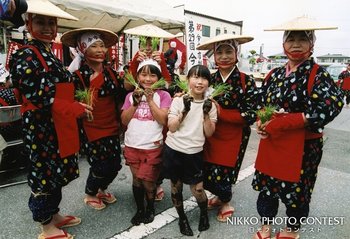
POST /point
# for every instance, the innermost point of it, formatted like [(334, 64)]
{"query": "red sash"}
[(104, 121), (346, 83), (65, 123), (223, 146)]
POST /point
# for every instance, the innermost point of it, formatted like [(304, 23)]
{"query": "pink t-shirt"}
[(143, 131)]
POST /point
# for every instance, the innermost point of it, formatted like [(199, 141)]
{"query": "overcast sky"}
[(260, 14)]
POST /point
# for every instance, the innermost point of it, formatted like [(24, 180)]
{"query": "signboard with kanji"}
[(193, 39)]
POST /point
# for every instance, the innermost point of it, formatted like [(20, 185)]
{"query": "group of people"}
[(194, 138)]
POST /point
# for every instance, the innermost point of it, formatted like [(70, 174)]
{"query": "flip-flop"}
[(222, 216), (65, 235), (284, 237), (159, 196), (95, 204), (214, 203), (69, 221), (260, 236), (106, 197)]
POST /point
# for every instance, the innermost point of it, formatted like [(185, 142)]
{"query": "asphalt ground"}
[(329, 210)]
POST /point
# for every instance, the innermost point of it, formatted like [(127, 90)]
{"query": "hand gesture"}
[(156, 55), (207, 106), (141, 56), (187, 99), (136, 97), (149, 94)]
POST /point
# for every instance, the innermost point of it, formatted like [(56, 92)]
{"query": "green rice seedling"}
[(155, 43), (219, 89), (266, 113)]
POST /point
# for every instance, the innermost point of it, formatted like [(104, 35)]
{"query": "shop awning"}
[(119, 15)]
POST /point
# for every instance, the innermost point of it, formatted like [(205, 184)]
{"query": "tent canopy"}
[(119, 15)]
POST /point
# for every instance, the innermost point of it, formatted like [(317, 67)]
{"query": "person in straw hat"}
[(306, 99), (49, 115), (344, 83), (224, 151), (145, 113), (106, 93)]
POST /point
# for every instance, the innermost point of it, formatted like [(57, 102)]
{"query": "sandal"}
[(65, 235), (285, 237), (214, 203), (222, 216), (69, 221), (160, 195), (260, 236), (106, 197), (95, 204)]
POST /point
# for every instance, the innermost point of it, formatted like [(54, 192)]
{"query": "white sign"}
[(193, 39)]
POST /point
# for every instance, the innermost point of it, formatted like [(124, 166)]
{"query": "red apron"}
[(346, 83), (223, 146), (281, 156), (104, 121), (65, 124)]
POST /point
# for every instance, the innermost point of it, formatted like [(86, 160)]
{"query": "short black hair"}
[(150, 69), (199, 71)]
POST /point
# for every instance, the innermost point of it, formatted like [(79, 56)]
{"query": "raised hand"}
[(187, 99), (136, 97), (207, 106)]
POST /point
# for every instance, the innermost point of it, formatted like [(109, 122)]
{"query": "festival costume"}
[(344, 78), (38, 75), (301, 93), (224, 151), (100, 136)]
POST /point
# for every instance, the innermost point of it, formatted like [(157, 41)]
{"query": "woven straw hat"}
[(70, 38), (209, 45), (302, 23), (149, 30), (46, 8)]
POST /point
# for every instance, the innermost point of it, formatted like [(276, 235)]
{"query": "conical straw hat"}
[(209, 45), (302, 23), (149, 30), (70, 38), (46, 8)]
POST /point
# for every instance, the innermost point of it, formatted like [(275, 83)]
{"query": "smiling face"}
[(96, 52), (43, 28), (297, 46), (198, 81), (148, 75), (198, 85), (225, 57)]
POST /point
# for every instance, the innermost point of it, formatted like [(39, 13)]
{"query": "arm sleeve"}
[(325, 101)]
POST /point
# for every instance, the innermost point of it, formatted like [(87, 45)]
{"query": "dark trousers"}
[(102, 173), (268, 207), (45, 205)]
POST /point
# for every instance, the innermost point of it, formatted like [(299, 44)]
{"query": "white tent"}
[(118, 15)]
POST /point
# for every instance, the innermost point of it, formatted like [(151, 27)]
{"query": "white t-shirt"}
[(143, 131), (189, 138)]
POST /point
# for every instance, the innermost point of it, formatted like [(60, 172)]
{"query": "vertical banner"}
[(113, 56), (57, 49), (121, 49), (12, 46), (193, 39), (116, 53)]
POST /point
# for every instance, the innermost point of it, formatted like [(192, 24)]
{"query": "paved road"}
[(329, 207)]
